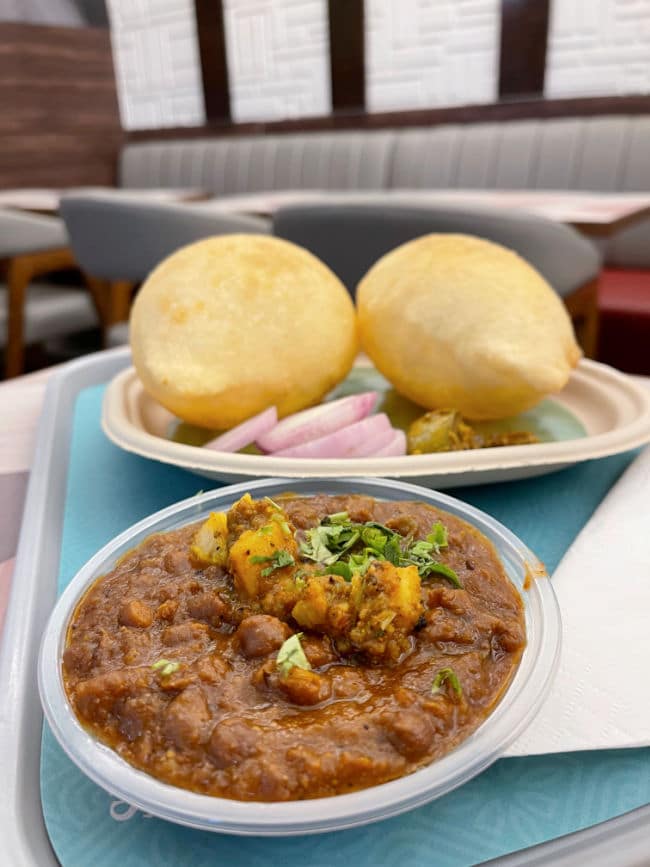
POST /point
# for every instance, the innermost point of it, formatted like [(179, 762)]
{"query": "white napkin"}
[(600, 698)]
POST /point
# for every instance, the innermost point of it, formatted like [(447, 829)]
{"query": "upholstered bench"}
[(607, 153)]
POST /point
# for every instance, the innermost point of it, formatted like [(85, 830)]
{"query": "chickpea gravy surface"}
[(297, 648)]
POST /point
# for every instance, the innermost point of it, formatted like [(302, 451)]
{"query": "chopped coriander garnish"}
[(336, 536), (161, 663), (441, 569), (342, 569), (438, 536), (421, 549), (446, 675), (264, 531), (336, 518), (166, 667), (325, 543), (278, 560), (423, 553), (360, 562), (374, 538), (291, 655)]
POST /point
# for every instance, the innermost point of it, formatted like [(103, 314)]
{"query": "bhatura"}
[(230, 325), (457, 321)]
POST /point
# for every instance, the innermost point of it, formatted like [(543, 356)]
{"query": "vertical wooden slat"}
[(214, 63), (524, 37), (347, 54), (59, 119)]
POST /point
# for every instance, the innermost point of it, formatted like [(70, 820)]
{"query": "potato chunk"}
[(259, 558), (373, 614), (250, 514), (390, 607), (210, 544), (327, 604)]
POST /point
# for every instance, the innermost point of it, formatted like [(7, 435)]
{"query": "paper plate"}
[(600, 412)]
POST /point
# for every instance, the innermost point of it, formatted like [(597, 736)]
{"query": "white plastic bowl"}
[(514, 712)]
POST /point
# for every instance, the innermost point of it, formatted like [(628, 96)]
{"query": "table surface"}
[(47, 201), (594, 213)]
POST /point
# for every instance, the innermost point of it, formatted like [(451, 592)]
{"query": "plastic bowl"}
[(514, 712)]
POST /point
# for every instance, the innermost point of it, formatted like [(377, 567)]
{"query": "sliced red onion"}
[(370, 446), (245, 433), (317, 422), (395, 447), (351, 441)]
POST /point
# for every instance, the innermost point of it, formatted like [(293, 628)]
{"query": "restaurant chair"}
[(351, 238), (118, 241), (32, 309)]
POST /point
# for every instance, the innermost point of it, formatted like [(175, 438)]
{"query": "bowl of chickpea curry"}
[(293, 657)]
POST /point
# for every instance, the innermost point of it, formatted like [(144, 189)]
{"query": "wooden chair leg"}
[(21, 270), (582, 305), (112, 300), (100, 292), (121, 292)]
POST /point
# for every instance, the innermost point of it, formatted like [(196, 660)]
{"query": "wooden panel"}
[(214, 62), (524, 35), (514, 110), (347, 54), (59, 124)]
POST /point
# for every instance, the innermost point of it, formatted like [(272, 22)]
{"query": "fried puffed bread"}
[(230, 325), (458, 321)]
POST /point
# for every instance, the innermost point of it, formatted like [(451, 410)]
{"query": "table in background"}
[(47, 201), (594, 214)]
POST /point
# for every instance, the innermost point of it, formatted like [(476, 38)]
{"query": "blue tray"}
[(515, 804)]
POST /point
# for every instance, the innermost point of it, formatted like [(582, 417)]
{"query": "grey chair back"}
[(22, 233), (116, 238), (351, 238)]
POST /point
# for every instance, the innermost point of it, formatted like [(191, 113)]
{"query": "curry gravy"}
[(221, 721)]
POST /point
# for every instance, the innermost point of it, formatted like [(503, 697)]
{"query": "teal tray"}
[(517, 803)]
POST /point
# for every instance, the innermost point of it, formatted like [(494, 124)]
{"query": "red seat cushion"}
[(624, 304)]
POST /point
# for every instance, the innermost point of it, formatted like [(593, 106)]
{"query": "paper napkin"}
[(600, 698)]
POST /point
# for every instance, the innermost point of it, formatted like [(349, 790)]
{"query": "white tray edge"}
[(33, 592)]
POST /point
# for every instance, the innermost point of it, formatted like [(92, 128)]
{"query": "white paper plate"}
[(613, 409)]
